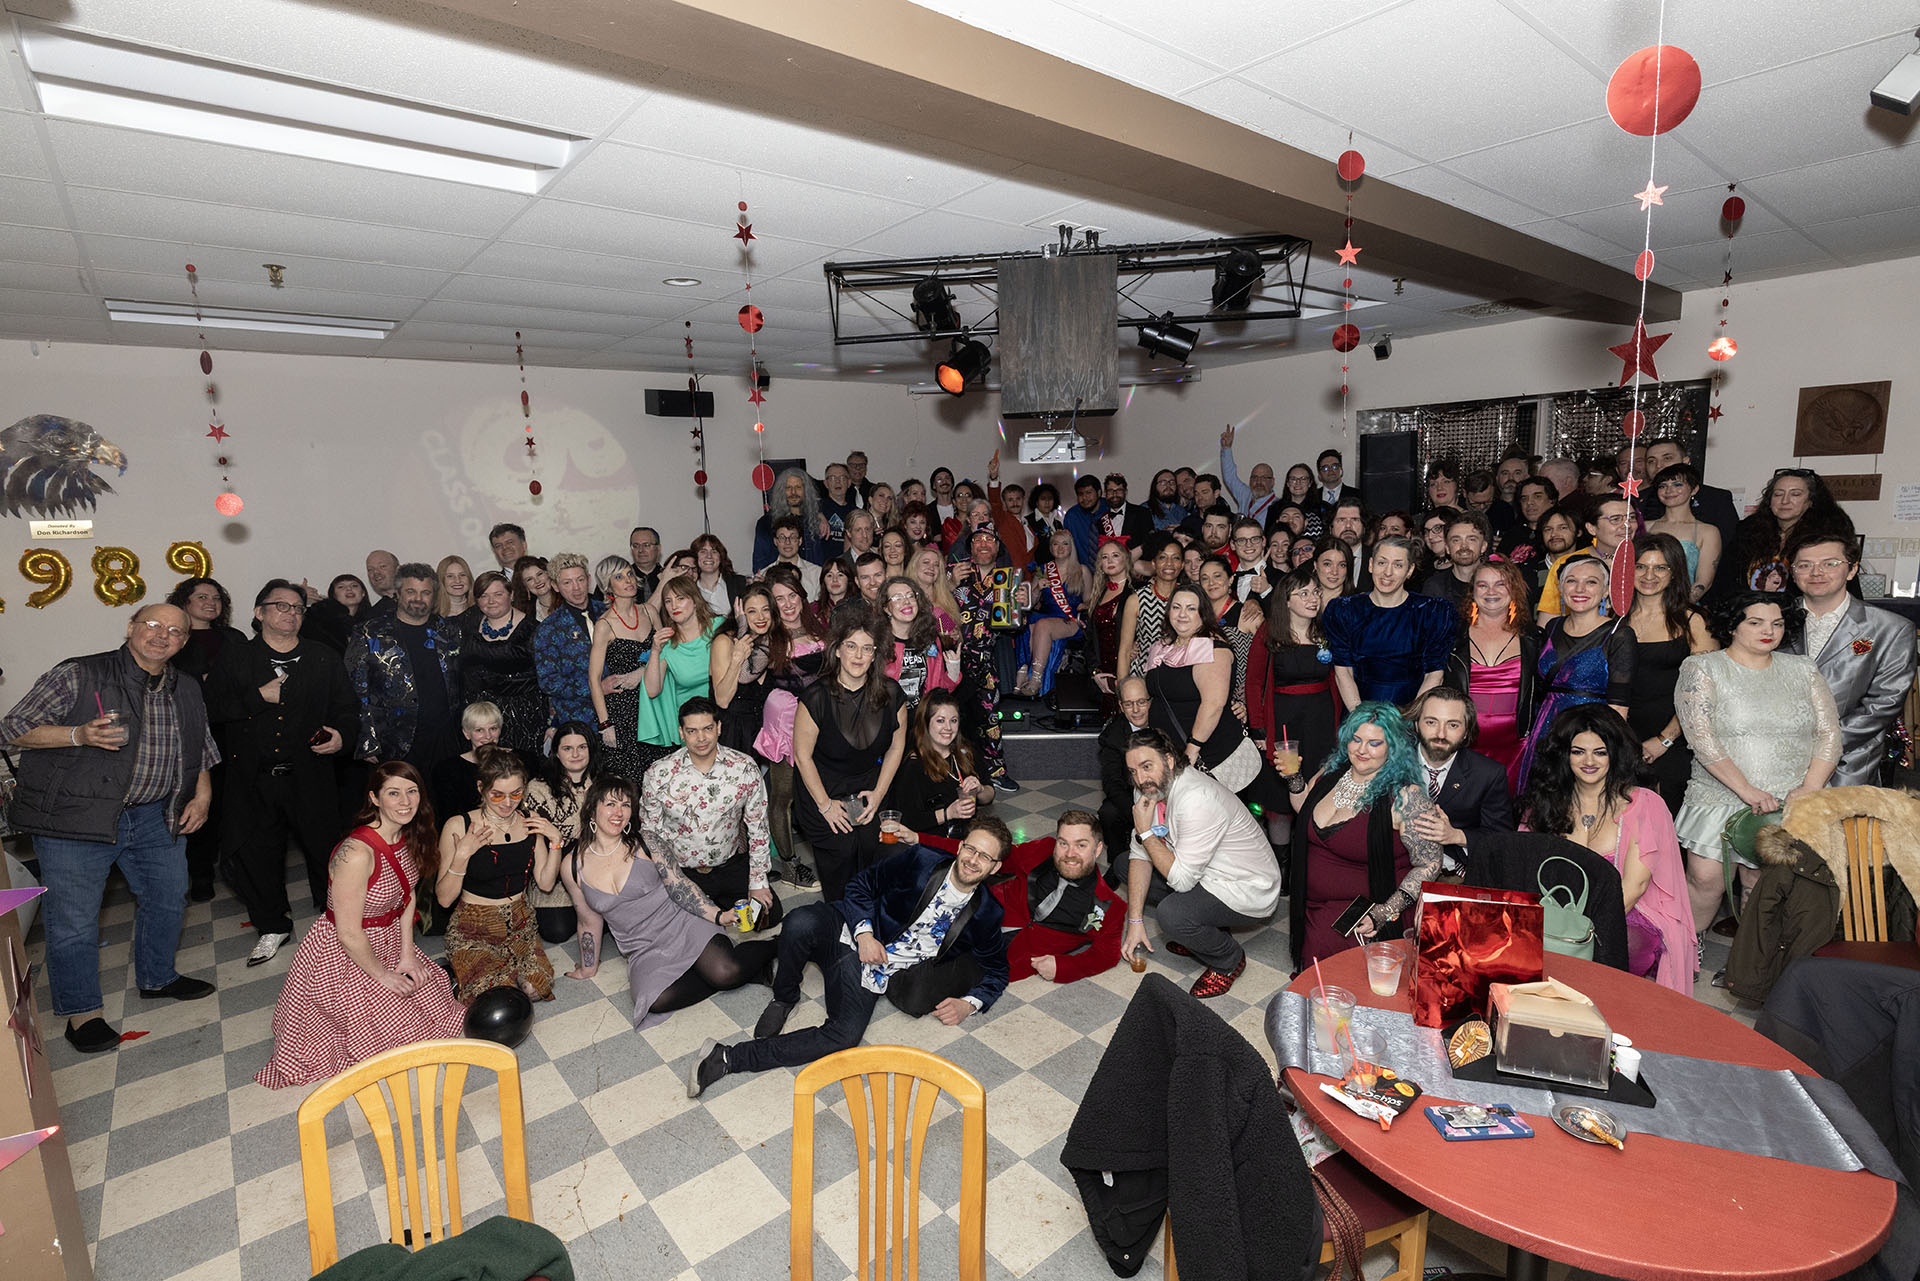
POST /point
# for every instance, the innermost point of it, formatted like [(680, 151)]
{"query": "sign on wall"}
[(1842, 418)]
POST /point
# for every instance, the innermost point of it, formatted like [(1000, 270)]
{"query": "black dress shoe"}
[(772, 1021), (92, 1037), (708, 1068), (200, 892), (181, 989)]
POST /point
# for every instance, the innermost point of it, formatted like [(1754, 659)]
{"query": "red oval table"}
[(1662, 1210)]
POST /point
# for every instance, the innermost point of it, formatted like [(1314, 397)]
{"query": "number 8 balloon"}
[(116, 576)]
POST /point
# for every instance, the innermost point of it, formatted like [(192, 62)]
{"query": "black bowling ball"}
[(501, 1014)]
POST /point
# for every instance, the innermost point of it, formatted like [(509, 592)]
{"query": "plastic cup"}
[(1369, 1046), (1385, 960), (1626, 1061), (890, 827), (1286, 757), (1332, 1018), (1138, 961)]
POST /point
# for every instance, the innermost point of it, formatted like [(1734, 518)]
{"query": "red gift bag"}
[(1469, 939)]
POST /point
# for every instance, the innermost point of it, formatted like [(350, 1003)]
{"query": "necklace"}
[(496, 633), (1588, 821), (1347, 792), (633, 626)]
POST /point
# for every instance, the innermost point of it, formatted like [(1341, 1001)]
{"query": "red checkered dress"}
[(332, 1014)]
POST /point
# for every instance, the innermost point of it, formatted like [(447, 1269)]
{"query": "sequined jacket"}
[(382, 675), (561, 648)]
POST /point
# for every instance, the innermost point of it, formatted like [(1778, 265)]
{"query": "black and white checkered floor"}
[(187, 1169)]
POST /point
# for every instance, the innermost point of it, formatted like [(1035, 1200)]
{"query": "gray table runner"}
[(1763, 1111)]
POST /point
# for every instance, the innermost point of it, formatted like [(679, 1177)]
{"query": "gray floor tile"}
[(136, 1146), (172, 1243), (152, 1055)]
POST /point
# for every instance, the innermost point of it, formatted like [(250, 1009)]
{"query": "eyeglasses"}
[(1808, 566), (968, 847), (154, 627), (1804, 473), (286, 607), (506, 796), (1329, 466), (1251, 540)]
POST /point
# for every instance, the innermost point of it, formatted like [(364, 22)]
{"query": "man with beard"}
[(1083, 518), (1387, 644), (1467, 538), (406, 670), (834, 509), (1349, 524), (919, 928), (1116, 783), (1256, 495), (1220, 869), (1470, 789), (1069, 922), (564, 642)]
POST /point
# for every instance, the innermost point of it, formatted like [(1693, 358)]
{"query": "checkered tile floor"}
[(187, 1169)]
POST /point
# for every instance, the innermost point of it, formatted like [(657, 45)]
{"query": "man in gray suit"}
[(1866, 654)]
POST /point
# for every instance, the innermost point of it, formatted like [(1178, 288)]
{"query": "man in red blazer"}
[(1069, 921)]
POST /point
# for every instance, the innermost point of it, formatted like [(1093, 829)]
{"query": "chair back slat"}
[(891, 1093), (1863, 912)]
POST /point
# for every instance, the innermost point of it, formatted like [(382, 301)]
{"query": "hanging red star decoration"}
[(1637, 352), (756, 396), (216, 431), (744, 233), (1632, 485), (1347, 253), (1713, 414), (1650, 197)]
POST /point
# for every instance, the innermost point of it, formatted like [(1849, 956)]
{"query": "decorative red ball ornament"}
[(228, 504), (1346, 338), (700, 476), (1653, 90), (759, 427), (1723, 348), (762, 477), (1643, 265), (1633, 424), (751, 319), (1620, 579), (533, 487), (1733, 210), (206, 362), (1350, 166)]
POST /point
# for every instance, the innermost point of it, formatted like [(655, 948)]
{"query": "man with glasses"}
[(919, 928), (1256, 495), (1252, 576), (287, 709), (787, 541), (644, 544), (1866, 654), (1610, 525), (114, 760), (1116, 784), (1330, 468)]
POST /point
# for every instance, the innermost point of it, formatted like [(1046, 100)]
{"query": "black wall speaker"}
[(1390, 471), (666, 403)]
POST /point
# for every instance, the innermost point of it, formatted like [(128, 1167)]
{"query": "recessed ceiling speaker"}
[(1164, 338)]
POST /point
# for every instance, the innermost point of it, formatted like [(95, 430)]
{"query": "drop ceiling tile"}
[(695, 191), (1130, 226), (1773, 253), (1440, 183), (1380, 75), (37, 302), (54, 328), (28, 203), (1280, 117), (31, 275), (165, 262), (1587, 166), (511, 318), (729, 135), (1568, 236), (939, 232), (1226, 33), (504, 291), (560, 225), (1884, 235), (21, 155), (499, 339), (127, 160), (468, 68), (194, 223), (41, 245), (589, 268), (1686, 218), (1853, 186), (1016, 199), (1727, 41), (1059, 30), (1802, 114)]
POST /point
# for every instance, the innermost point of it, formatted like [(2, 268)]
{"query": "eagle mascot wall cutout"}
[(46, 466)]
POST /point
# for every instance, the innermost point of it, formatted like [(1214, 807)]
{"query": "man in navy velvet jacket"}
[(918, 927)]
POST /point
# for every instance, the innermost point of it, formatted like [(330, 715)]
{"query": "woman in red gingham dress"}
[(357, 985)]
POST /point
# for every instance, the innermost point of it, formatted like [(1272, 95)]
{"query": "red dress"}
[(332, 1014), (1106, 634), (1336, 875)]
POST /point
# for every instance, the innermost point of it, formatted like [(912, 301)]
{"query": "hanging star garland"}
[(744, 232), (1636, 354), (1350, 168), (526, 414), (217, 427), (216, 431), (1650, 196), (751, 320), (1714, 412), (1346, 254)]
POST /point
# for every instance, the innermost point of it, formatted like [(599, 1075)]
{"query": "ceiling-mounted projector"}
[(1053, 447)]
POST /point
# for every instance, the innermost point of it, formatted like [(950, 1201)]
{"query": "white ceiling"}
[(1495, 106)]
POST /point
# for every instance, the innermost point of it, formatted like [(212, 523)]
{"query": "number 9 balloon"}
[(189, 560), (44, 565)]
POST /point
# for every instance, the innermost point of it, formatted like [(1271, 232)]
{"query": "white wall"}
[(337, 455)]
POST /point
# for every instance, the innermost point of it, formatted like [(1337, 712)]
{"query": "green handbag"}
[(1566, 928), (1736, 840)]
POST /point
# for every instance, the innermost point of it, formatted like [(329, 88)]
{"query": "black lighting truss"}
[(1283, 257)]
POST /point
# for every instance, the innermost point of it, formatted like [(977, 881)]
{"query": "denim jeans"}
[(154, 861), (812, 933)]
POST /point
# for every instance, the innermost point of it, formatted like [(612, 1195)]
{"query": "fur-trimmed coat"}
[(1792, 909)]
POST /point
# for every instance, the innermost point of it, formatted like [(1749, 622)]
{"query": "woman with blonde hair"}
[(617, 665), (453, 590), (928, 567)]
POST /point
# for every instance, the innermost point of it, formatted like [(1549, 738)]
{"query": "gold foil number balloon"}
[(189, 560), (116, 576), (44, 565)]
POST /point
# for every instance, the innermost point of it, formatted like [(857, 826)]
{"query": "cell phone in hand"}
[(1352, 916), (856, 807), (319, 737)]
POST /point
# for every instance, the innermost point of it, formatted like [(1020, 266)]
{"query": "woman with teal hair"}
[(1358, 840)]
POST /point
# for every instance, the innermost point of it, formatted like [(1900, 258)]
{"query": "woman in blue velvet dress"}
[(1585, 657)]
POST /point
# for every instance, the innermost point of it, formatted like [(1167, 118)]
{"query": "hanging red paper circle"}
[(533, 487), (1633, 424), (523, 400), (1723, 348), (700, 477), (1620, 584), (751, 319), (759, 427), (1643, 265), (228, 504), (191, 269), (1734, 209), (743, 206), (206, 362), (1653, 90), (1351, 165), (1346, 338), (762, 477)]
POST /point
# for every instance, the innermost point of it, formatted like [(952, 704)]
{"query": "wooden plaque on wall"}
[(1843, 418), (1059, 340), (1862, 488)]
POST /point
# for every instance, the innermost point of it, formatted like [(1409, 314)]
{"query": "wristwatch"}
[(1160, 830), (1668, 743)]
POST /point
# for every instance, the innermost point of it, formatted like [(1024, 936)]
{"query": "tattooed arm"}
[(687, 896), (590, 924)]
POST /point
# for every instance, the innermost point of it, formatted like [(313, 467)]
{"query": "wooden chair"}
[(902, 1085), (1386, 1214), (413, 1081)]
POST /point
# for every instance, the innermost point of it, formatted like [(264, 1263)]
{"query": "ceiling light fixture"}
[(1164, 338), (130, 311), (86, 77), (680, 282), (1900, 91), (933, 306), (1234, 277), (966, 363)]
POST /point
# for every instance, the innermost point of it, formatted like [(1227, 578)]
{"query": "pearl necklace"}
[(1347, 792)]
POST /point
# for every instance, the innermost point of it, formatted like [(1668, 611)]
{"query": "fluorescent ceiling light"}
[(86, 77), (272, 322)]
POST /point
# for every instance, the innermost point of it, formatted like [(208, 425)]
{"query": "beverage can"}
[(746, 915)]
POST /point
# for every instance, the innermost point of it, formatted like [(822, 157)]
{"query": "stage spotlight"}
[(967, 363), (1164, 338), (1383, 346), (933, 306), (1234, 277)]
